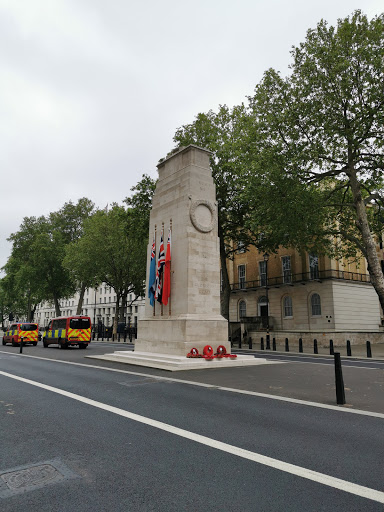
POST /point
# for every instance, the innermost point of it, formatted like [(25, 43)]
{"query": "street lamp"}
[(266, 258)]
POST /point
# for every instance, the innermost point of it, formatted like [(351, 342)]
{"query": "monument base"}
[(176, 363)]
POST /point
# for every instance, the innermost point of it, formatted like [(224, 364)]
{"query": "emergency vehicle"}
[(26, 330), (68, 331)]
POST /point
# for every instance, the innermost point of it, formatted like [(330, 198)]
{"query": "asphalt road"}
[(80, 434)]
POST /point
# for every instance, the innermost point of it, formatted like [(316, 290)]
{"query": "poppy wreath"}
[(193, 353), (208, 352), (221, 351)]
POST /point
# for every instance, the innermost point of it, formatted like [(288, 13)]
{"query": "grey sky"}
[(92, 91)]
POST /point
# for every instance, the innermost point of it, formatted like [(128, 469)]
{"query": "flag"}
[(167, 272), (152, 274), (159, 272)]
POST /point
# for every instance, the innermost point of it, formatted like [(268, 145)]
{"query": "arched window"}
[(315, 304), (242, 309), (288, 309)]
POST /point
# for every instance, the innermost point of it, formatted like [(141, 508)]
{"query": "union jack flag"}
[(159, 272)]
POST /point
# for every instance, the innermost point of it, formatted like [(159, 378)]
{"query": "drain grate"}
[(27, 478)]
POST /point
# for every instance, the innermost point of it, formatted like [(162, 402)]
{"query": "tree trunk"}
[(374, 268), (57, 306), (116, 317), (226, 290), (81, 299)]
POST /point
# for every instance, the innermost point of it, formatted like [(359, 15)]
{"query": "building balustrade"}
[(304, 277)]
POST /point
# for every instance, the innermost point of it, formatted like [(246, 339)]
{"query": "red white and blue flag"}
[(152, 274), (167, 272), (159, 272)]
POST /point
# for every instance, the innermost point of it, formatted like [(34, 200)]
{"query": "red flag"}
[(167, 273)]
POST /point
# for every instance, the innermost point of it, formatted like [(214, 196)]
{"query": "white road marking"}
[(220, 388), (330, 481)]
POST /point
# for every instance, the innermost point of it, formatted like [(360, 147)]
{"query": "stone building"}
[(301, 295), (99, 303)]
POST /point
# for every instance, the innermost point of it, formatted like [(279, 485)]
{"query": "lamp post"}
[(266, 258)]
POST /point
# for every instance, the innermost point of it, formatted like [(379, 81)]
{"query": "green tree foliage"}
[(35, 270), (37, 253), (224, 134), (320, 134)]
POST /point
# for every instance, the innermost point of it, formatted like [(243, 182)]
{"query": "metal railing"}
[(291, 279)]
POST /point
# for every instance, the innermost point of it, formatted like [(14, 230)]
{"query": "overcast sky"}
[(92, 91)]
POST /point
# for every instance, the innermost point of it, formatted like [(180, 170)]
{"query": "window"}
[(314, 266), (241, 275), (242, 309), (79, 323), (240, 247), (263, 273), (288, 310), (286, 264), (86, 301), (136, 309), (315, 304), (110, 298)]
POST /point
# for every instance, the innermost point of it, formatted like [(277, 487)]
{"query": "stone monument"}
[(185, 203)]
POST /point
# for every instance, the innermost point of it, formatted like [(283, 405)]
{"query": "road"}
[(82, 434)]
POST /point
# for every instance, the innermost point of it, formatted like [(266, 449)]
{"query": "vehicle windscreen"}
[(28, 327), (79, 323)]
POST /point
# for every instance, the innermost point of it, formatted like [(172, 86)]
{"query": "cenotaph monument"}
[(184, 205)]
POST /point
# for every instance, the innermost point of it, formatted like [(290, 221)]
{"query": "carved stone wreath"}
[(204, 228)]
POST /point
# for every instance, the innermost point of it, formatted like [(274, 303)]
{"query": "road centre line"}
[(336, 483), (219, 388)]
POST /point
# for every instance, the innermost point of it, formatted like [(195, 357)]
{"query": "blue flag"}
[(152, 275)]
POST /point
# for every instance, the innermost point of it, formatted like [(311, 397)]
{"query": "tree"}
[(37, 254), (109, 254), (223, 133), (69, 220), (321, 132), (139, 206)]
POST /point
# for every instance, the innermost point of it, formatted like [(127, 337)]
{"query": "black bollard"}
[(21, 345), (125, 336), (349, 351), (262, 344), (250, 343), (286, 345), (315, 350), (331, 351), (274, 344), (240, 341), (369, 351), (118, 337), (93, 336), (340, 394), (268, 343), (300, 345)]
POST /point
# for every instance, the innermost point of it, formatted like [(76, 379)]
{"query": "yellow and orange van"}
[(68, 331), (26, 330)]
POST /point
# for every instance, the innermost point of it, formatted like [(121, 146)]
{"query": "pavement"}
[(358, 351), (364, 384)]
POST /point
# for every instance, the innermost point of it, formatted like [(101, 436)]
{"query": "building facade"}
[(98, 303), (302, 295)]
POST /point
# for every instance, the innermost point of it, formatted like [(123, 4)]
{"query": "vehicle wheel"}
[(14, 344), (4, 342), (82, 345), (62, 344), (34, 343), (45, 344)]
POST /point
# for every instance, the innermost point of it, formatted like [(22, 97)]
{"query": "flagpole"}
[(154, 301), (170, 274), (162, 274)]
